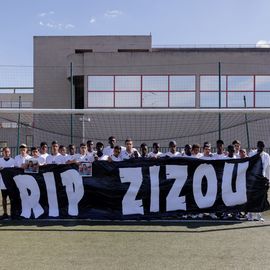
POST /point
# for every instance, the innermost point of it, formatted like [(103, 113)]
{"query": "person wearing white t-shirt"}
[(108, 150), (155, 153), (237, 146), (71, 152), (82, 156), (195, 151), (99, 154), (187, 151), (22, 157), (266, 173), (130, 151), (90, 148), (207, 152), (36, 155), (6, 162), (52, 158), (116, 156), (231, 152), (144, 150), (243, 153), (220, 154), (172, 150), (63, 157), (265, 158), (43, 150)]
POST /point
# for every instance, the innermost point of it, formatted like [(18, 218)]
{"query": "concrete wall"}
[(51, 63)]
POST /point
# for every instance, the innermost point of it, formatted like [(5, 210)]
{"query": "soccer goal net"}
[(185, 126)]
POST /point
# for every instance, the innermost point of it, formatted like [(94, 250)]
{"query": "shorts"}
[(4, 193)]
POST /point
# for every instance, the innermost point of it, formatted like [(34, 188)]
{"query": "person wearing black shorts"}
[(5, 162)]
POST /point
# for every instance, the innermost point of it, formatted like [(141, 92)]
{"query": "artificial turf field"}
[(86, 244)]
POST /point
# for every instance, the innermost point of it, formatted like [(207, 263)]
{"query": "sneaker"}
[(5, 216), (249, 216), (258, 217), (201, 215), (213, 215)]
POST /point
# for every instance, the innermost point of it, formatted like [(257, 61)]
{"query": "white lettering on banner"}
[(2, 185), (133, 176), (229, 197), (74, 188), (207, 200), (51, 192), (154, 178), (173, 200), (30, 201)]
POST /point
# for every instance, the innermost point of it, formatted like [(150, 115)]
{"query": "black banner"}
[(138, 188)]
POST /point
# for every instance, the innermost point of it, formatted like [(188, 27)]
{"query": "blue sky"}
[(170, 22)]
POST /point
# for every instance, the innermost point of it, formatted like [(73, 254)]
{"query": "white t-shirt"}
[(154, 155), (127, 155), (109, 151), (39, 159), (219, 156), (199, 155), (20, 160), (83, 158), (7, 163), (70, 157), (114, 158), (227, 157), (265, 162), (186, 156), (103, 157), (51, 159), (44, 155), (206, 157), (170, 154)]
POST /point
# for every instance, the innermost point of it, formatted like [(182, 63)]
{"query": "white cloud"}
[(44, 14), (263, 44), (69, 25), (92, 20), (58, 26), (113, 13)]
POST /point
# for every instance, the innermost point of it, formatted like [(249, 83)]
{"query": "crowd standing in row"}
[(113, 152)]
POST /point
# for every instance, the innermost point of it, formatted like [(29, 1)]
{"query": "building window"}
[(233, 91), (100, 99), (128, 99), (127, 83), (100, 83), (240, 83), (262, 99), (211, 99), (155, 83), (182, 99), (236, 99), (182, 83), (211, 83), (155, 99), (262, 83)]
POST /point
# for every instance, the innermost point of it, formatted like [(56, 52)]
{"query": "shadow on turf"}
[(72, 226)]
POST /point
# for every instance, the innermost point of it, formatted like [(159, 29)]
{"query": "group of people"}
[(61, 154)]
